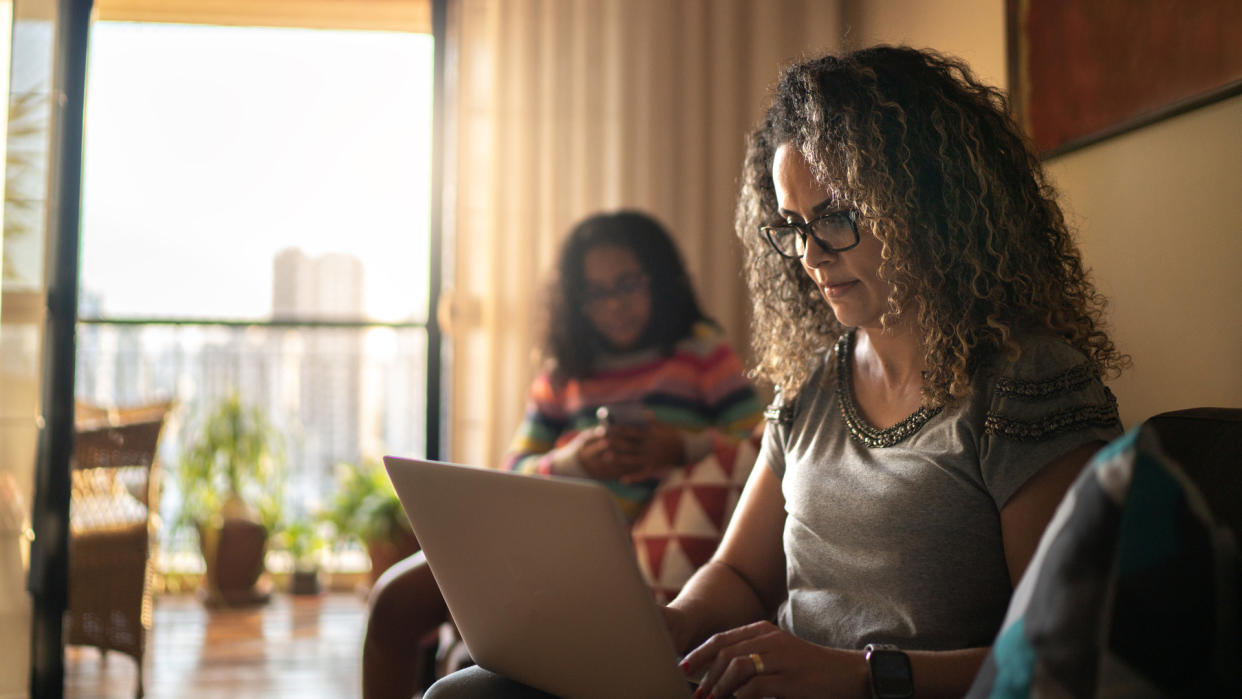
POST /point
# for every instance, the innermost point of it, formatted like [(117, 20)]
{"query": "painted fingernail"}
[(684, 665)]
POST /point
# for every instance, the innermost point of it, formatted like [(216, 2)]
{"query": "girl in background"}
[(636, 381), (625, 334)]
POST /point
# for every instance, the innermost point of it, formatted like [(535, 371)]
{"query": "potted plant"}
[(231, 477), (304, 544), (366, 508)]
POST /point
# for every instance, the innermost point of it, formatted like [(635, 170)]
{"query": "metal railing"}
[(338, 391)]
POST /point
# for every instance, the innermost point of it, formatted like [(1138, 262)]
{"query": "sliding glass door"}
[(295, 265)]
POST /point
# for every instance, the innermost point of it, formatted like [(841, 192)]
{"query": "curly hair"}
[(571, 341), (974, 243)]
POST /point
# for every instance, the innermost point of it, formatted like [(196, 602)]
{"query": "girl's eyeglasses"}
[(597, 297)]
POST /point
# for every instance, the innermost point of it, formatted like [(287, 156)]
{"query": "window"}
[(255, 217)]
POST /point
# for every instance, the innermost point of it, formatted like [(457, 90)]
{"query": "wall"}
[(1157, 211), (973, 30)]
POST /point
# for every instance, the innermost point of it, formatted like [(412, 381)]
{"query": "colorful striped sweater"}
[(699, 388)]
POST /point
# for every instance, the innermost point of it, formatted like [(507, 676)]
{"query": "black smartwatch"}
[(891, 675)]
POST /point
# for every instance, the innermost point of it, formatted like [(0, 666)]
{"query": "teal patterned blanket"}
[(1133, 591)]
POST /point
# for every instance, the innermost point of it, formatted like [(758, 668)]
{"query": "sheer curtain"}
[(560, 108)]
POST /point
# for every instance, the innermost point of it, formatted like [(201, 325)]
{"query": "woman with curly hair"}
[(923, 310), (637, 381), (938, 353)]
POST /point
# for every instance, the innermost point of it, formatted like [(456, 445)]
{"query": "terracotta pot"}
[(385, 552), (234, 554)]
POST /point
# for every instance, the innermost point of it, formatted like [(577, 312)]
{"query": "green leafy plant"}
[(365, 506), (26, 136), (232, 466), (301, 538)]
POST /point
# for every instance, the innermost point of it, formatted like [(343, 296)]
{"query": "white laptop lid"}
[(540, 577)]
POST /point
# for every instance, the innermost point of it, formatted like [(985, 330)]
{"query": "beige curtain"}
[(566, 107)]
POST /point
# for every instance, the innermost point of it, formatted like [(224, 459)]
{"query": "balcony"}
[(338, 392)]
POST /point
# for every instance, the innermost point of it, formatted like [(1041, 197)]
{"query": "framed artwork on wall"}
[(1081, 72)]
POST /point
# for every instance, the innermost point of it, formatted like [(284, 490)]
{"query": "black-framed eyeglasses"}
[(596, 297), (835, 231)]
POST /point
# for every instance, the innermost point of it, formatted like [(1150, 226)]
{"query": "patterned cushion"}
[(1132, 591), (682, 524)]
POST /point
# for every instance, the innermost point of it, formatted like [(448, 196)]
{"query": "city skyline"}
[(337, 395)]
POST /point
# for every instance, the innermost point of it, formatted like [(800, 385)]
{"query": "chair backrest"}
[(1207, 444), (114, 446), (91, 415), (110, 460)]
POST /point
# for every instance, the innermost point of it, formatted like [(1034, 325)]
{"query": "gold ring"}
[(758, 661)]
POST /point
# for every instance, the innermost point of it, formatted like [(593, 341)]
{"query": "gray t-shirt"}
[(901, 542)]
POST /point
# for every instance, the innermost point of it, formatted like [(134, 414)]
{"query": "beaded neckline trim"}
[(862, 432)]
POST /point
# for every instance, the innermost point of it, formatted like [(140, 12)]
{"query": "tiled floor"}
[(292, 647)]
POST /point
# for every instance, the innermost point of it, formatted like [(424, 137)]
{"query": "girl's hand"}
[(607, 453), (659, 449), (629, 453), (761, 660), (664, 445)]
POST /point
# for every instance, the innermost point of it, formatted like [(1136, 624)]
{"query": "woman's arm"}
[(1025, 516), (793, 667), (745, 580)]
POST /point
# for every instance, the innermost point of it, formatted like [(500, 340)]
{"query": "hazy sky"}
[(208, 149)]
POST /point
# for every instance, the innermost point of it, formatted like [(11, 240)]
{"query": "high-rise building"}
[(322, 375), (327, 287)]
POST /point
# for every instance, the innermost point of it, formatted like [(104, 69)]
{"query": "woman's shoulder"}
[(1042, 364), (1047, 387), (821, 379)]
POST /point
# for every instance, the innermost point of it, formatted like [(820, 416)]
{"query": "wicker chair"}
[(112, 522)]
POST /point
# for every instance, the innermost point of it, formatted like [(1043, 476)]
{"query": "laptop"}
[(540, 577)]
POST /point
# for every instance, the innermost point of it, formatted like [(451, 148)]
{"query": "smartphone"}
[(623, 414)]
